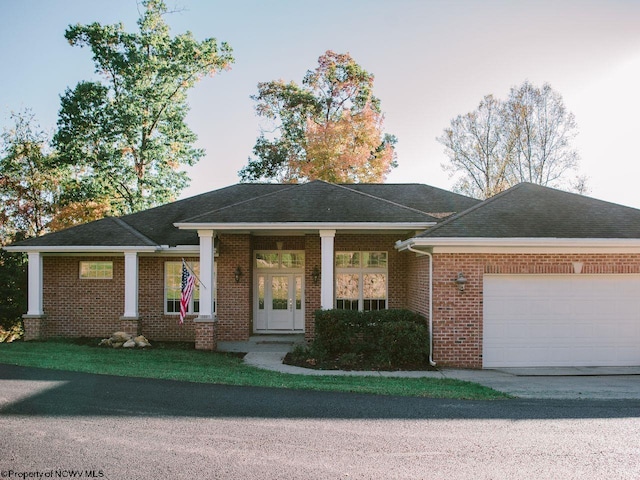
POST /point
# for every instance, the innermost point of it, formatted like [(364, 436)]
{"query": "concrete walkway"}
[(616, 383), (597, 383)]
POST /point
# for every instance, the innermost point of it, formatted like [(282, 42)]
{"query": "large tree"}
[(478, 146), (30, 179), (526, 138), (542, 131), (30, 185), (329, 128), (126, 136)]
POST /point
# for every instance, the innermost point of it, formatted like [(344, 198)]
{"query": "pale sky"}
[(432, 61)]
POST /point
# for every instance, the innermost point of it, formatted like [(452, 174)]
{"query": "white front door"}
[(279, 305)]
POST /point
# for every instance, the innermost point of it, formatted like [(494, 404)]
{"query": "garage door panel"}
[(561, 320)]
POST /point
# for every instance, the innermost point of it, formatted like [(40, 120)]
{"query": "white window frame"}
[(280, 265), (96, 270), (196, 293), (361, 270)]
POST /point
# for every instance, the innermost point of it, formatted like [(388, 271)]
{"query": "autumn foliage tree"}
[(525, 138), (30, 179), (30, 186), (329, 128), (126, 136)]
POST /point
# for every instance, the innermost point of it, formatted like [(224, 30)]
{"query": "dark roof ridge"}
[(482, 204), (133, 231), (379, 198), (190, 219)]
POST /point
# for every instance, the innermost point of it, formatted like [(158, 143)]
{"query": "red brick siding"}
[(234, 308), (417, 274), (34, 328), (154, 323), (81, 308), (206, 335), (312, 291), (75, 307), (458, 317)]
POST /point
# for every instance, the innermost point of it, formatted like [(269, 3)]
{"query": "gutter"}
[(311, 226), (407, 246)]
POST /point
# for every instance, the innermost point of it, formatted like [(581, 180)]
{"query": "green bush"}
[(384, 339)]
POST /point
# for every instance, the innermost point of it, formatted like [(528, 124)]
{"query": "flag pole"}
[(193, 273)]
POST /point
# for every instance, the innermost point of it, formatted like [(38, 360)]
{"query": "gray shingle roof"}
[(425, 198), (315, 202), (156, 224), (108, 232), (262, 203), (532, 211)]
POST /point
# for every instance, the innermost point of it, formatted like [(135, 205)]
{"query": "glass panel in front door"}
[(298, 292), (280, 293)]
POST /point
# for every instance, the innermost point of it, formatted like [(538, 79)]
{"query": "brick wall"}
[(458, 317), (312, 291), (75, 307), (154, 323), (234, 308), (81, 308), (417, 274), (206, 335)]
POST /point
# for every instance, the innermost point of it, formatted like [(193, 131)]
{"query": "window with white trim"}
[(173, 286), (361, 280), (93, 270)]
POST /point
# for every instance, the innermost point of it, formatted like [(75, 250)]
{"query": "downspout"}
[(418, 252)]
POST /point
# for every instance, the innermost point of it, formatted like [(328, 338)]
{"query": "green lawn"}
[(187, 364)]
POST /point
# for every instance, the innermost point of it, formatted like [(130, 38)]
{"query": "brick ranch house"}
[(531, 277)]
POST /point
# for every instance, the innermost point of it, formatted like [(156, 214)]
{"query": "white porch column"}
[(130, 285), (327, 262), (34, 308), (206, 274)]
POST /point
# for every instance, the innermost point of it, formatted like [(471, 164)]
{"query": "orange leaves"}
[(347, 150), (79, 212), (330, 127)]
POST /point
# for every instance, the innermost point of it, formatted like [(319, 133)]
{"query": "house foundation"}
[(34, 326), (206, 334)]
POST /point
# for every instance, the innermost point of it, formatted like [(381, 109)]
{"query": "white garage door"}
[(561, 320)]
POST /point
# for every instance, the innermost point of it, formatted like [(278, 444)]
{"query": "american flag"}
[(188, 283)]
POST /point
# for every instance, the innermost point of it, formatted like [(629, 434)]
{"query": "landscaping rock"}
[(123, 339), (120, 337), (141, 342)]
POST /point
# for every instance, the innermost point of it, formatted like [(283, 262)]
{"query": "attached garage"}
[(561, 320)]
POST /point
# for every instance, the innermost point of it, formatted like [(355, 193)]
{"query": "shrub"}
[(384, 339)]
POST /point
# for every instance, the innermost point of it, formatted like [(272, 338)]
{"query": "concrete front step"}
[(263, 343)]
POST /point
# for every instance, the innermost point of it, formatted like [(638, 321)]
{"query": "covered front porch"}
[(272, 283)]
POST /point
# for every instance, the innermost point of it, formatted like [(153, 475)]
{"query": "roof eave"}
[(520, 245), (306, 226), (80, 248)]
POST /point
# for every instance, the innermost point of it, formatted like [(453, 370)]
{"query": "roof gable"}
[(533, 211)]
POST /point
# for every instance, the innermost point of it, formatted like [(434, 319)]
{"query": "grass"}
[(180, 362)]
